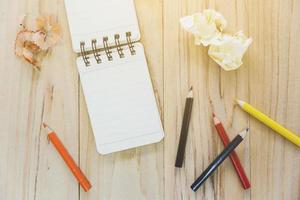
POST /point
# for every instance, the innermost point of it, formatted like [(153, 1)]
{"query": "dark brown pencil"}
[(184, 128)]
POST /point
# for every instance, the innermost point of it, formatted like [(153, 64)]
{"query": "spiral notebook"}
[(114, 74)]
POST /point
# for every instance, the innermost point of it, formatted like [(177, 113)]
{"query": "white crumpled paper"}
[(225, 49), (206, 26), (229, 53)]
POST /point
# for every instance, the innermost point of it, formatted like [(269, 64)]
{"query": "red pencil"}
[(233, 156)]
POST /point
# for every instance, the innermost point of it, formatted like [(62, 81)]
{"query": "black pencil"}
[(221, 157), (184, 128)]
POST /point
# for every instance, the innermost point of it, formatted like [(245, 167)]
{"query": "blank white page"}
[(95, 19), (121, 102)]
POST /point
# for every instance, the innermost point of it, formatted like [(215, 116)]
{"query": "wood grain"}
[(30, 168)]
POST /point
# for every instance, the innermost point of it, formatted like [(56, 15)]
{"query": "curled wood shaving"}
[(33, 46)]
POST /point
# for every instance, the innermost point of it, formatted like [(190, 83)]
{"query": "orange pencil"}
[(83, 181)]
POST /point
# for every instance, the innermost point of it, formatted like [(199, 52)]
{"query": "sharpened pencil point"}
[(239, 102), (48, 129), (244, 133), (213, 114), (190, 94), (216, 120), (44, 125)]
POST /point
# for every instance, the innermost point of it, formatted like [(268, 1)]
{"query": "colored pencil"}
[(233, 156), (83, 181), (184, 128), (219, 159), (289, 135)]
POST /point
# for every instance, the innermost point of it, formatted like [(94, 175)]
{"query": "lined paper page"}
[(121, 102), (95, 19)]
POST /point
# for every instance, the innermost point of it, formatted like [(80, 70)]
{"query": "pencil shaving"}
[(48, 33), (33, 46), (27, 49), (22, 21)]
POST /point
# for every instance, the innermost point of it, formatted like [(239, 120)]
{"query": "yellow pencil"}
[(269, 122)]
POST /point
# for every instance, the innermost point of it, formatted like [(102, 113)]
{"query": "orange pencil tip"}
[(44, 125)]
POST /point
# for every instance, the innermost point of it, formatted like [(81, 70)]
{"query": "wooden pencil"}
[(284, 132), (184, 128), (233, 156), (219, 159)]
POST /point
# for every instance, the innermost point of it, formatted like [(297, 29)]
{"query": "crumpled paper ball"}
[(206, 26), (229, 53), (225, 49)]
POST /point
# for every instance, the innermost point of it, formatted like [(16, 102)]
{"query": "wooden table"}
[(269, 79)]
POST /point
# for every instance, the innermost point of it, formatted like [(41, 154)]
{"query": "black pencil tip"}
[(244, 132)]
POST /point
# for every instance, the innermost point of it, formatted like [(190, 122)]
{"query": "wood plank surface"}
[(30, 168)]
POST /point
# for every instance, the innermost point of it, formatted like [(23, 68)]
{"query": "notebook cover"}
[(96, 19)]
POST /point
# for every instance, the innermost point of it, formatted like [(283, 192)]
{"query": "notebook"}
[(114, 74)]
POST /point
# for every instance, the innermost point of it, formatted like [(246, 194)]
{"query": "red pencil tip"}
[(213, 114)]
